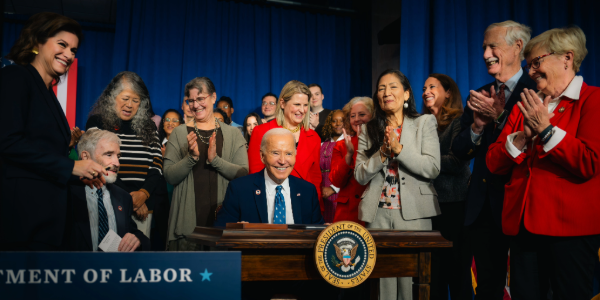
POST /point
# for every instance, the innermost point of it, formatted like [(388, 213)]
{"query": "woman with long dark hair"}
[(450, 267), (34, 146), (252, 120), (399, 156)]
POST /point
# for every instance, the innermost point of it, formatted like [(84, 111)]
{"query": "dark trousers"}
[(489, 247), (450, 268), (564, 265)]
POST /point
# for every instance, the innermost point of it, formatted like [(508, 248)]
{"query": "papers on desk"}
[(111, 242)]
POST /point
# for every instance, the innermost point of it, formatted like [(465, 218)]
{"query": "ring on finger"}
[(93, 173)]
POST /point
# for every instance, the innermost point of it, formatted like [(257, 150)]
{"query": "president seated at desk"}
[(272, 195)]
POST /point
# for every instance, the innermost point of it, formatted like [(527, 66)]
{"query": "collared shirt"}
[(510, 84), (92, 205), (271, 186), (234, 124), (572, 92)]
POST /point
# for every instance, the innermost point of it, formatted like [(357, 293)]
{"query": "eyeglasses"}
[(200, 100), (535, 63), (171, 120), (271, 103)]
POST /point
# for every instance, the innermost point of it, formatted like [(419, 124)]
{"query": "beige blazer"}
[(419, 164)]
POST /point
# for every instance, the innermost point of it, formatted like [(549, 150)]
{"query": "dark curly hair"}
[(37, 30), (376, 127), (328, 125), (144, 127)]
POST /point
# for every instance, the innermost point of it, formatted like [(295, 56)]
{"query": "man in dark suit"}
[(484, 117), (93, 212), (278, 197)]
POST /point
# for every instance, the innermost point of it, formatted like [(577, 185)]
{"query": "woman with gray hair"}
[(550, 148), (124, 108), (200, 160)]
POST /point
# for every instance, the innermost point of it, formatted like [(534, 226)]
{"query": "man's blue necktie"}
[(279, 213), (102, 217)]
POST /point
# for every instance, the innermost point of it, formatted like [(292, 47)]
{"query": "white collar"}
[(572, 91), (270, 185), (339, 138)]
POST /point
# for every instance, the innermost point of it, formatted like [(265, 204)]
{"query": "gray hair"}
[(144, 127), (561, 41), (514, 31), (202, 84), (90, 139), (275, 132)]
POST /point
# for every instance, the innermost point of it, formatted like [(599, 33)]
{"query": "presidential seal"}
[(345, 254)]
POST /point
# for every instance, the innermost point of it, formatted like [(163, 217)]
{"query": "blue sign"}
[(108, 276)]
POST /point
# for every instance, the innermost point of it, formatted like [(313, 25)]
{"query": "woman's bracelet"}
[(546, 134)]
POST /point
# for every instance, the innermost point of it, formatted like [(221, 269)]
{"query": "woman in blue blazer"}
[(34, 147)]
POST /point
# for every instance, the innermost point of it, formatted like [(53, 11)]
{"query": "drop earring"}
[(405, 105), (565, 66)]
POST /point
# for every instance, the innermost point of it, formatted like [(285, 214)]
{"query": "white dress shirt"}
[(92, 206), (270, 187), (572, 92)]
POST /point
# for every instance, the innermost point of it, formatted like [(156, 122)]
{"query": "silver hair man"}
[(103, 147)]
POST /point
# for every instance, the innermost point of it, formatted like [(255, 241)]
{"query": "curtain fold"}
[(246, 50), (445, 36)]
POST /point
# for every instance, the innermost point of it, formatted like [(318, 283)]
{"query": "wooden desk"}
[(289, 254)]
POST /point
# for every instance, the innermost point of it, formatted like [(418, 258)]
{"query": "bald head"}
[(278, 153)]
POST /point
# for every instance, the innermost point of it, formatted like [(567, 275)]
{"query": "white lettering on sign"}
[(53, 276), (123, 276), (86, 275), (34, 276), (140, 276), (154, 275), (173, 277), (10, 275), (185, 275), (68, 275), (105, 275)]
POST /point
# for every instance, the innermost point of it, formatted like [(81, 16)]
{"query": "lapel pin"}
[(298, 195), (120, 208), (258, 192), (561, 109)]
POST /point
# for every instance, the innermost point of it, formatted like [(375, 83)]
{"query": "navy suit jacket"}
[(243, 202), (482, 181), (79, 238), (34, 164)]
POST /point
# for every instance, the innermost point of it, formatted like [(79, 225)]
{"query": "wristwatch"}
[(497, 121)]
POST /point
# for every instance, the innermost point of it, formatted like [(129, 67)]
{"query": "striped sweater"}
[(141, 166)]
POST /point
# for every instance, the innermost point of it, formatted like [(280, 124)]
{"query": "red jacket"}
[(307, 157), (342, 176), (555, 193)]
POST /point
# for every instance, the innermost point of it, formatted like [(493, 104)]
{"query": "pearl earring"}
[(405, 105)]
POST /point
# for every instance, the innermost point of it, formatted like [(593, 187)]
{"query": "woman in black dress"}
[(34, 147)]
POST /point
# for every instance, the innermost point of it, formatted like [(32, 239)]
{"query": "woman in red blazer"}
[(551, 149), (292, 114), (358, 111)]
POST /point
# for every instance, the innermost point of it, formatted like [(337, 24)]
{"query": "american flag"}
[(66, 92)]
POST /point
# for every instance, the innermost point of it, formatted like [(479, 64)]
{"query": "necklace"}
[(293, 130), (205, 139)]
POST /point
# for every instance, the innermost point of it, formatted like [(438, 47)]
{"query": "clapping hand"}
[(535, 112), (392, 139), (489, 105), (212, 147), (193, 145), (314, 120), (349, 147)]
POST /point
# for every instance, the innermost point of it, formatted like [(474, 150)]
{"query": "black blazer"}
[(80, 236), (34, 163), (483, 182), (246, 200)]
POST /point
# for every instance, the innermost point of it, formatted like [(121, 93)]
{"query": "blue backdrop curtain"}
[(94, 67), (445, 36), (246, 50)]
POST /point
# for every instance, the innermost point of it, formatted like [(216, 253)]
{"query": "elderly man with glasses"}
[(484, 117)]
